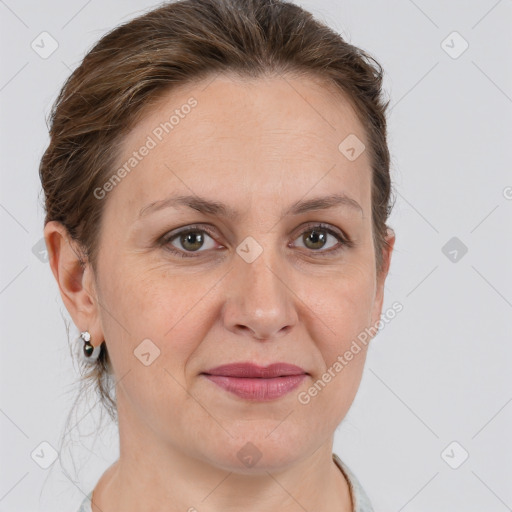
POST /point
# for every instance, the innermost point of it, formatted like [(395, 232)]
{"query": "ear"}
[(75, 278), (381, 278)]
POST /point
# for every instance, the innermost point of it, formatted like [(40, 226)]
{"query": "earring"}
[(91, 352)]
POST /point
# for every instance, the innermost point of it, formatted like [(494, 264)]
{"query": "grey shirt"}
[(359, 497)]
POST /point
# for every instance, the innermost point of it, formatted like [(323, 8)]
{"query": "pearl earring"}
[(91, 352)]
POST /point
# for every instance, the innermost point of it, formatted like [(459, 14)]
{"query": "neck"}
[(151, 474)]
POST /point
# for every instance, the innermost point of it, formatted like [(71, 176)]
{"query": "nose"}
[(260, 302)]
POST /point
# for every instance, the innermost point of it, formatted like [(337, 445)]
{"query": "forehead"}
[(240, 107), (274, 136)]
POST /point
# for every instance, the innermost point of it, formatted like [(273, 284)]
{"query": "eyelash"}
[(343, 239)]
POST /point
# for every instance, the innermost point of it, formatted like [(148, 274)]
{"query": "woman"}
[(217, 188)]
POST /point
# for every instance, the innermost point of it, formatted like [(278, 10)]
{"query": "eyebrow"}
[(211, 207)]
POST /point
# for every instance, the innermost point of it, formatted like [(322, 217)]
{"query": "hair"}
[(131, 67)]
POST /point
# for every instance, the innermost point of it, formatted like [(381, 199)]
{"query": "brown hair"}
[(133, 65)]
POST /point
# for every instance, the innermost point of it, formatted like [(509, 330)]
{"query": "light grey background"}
[(438, 373)]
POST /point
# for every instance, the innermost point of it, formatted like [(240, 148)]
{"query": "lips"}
[(252, 382), (253, 371)]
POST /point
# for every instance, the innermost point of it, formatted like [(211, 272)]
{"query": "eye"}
[(316, 237), (190, 239)]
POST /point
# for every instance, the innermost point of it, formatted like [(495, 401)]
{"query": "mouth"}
[(253, 371), (257, 383)]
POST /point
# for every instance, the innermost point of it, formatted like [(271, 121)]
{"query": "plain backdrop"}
[(430, 426)]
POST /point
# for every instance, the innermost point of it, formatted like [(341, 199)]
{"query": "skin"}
[(257, 145)]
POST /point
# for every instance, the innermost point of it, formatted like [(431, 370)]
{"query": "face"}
[(184, 289)]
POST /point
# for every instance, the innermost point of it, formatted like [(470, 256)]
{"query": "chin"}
[(260, 450)]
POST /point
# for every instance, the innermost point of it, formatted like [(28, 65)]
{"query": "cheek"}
[(342, 349), (151, 333), (341, 315), (134, 309), (343, 305), (150, 310)]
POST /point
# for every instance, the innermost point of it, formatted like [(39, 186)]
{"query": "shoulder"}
[(359, 497), (85, 506)]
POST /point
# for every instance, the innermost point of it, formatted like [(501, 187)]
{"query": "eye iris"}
[(195, 238), (315, 236)]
